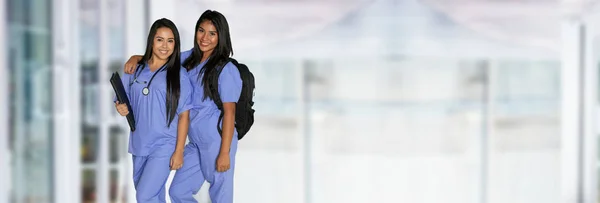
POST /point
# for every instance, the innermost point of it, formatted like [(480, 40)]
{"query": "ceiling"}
[(311, 28)]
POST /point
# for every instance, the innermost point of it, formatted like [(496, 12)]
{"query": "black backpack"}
[(244, 114)]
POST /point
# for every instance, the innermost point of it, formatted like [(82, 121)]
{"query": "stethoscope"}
[(145, 90)]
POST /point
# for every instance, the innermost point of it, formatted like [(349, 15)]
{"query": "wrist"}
[(178, 150)]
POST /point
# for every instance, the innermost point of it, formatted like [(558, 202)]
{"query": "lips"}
[(164, 52)]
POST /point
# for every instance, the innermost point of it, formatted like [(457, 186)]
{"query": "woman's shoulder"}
[(230, 68), (230, 73), (185, 54)]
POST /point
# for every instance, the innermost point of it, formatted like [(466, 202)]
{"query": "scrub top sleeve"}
[(186, 89), (230, 83), (185, 55)]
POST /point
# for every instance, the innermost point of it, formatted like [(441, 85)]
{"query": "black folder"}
[(117, 84)]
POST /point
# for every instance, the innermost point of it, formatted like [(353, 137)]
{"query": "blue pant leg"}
[(221, 186), (189, 178), (153, 174), (138, 168)]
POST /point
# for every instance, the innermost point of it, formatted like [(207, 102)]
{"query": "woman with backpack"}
[(210, 154)]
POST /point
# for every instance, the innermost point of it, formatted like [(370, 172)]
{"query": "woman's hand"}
[(122, 108), (176, 160), (223, 162), (131, 64)]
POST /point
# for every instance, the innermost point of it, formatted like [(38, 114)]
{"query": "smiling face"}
[(207, 37), (163, 44)]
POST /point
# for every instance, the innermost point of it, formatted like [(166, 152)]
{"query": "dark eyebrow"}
[(162, 37), (206, 30)]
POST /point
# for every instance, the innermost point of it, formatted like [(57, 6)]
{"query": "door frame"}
[(66, 108), (579, 107), (4, 93), (591, 107)]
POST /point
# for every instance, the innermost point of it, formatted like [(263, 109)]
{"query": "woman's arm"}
[(182, 131), (183, 112), (131, 64), (228, 126), (223, 163), (230, 87)]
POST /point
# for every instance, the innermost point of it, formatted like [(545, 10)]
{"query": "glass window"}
[(89, 40), (88, 185), (118, 140), (90, 97), (114, 185), (275, 137), (89, 147), (525, 135), (30, 91), (412, 116)]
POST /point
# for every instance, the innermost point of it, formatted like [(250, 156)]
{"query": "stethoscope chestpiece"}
[(146, 91)]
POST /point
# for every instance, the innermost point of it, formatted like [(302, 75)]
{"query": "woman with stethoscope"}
[(160, 96), (210, 155)]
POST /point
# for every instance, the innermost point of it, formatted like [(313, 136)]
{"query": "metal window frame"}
[(4, 91), (588, 107), (570, 111), (136, 25), (585, 187), (579, 104), (103, 161), (66, 108), (591, 107), (580, 107)]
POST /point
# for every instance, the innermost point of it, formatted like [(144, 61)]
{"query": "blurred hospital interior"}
[(388, 101)]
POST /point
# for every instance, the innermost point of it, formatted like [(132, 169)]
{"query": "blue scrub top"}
[(230, 88), (152, 136)]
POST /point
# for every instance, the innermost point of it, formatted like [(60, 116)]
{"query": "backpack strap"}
[(214, 88)]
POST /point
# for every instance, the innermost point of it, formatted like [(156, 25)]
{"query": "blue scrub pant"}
[(199, 164), (149, 177)]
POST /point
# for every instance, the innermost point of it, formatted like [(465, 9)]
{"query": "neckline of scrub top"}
[(146, 89)]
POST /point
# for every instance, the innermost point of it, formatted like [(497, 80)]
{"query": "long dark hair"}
[(173, 65), (219, 56)]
